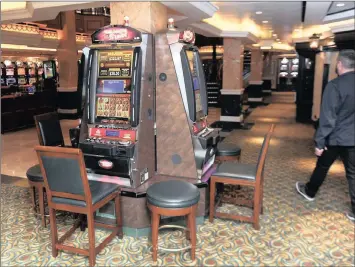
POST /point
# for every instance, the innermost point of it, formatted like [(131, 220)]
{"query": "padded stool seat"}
[(173, 194), (34, 174), (228, 149), (237, 171)]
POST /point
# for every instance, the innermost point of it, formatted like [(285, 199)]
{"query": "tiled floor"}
[(17, 153)]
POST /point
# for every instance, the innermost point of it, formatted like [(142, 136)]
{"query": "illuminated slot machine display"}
[(3, 74), (40, 71), (117, 129), (21, 73), (32, 73), (294, 67), (186, 146), (11, 76)]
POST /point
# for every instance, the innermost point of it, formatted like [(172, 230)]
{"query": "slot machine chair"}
[(49, 133), (244, 175), (68, 189)]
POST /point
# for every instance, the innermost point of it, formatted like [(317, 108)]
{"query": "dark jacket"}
[(337, 117)]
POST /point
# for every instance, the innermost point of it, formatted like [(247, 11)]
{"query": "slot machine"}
[(117, 128), (32, 73), (3, 75), (40, 71), (50, 75), (186, 146), (11, 78), (21, 73)]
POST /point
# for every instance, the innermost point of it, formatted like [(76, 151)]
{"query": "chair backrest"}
[(64, 173), (263, 153), (48, 129)]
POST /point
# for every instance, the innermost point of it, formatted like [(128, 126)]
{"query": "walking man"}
[(336, 133)]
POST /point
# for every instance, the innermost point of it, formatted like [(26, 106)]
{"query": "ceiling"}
[(339, 6), (282, 17)]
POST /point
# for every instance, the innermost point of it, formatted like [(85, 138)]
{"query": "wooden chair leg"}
[(155, 230), (33, 198), (256, 209), (262, 199), (54, 233), (192, 227), (91, 230), (212, 199), (41, 206), (118, 217), (188, 228)]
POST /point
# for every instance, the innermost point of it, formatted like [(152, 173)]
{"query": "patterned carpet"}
[(293, 232)]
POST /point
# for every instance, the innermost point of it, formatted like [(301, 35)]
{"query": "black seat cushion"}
[(228, 149), (236, 170), (173, 194), (34, 174), (51, 132), (98, 190)]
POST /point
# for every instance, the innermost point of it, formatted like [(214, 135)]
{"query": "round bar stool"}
[(35, 181), (228, 152), (173, 198)]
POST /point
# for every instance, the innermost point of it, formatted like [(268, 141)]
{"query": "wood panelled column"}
[(149, 16)]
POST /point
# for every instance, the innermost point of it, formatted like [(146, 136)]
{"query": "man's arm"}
[(328, 114)]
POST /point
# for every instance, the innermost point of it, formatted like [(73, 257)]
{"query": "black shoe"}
[(301, 188), (351, 216)]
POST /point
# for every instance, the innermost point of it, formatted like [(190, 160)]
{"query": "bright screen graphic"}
[(21, 71), (115, 63), (113, 106), (113, 86), (32, 71), (10, 72), (48, 70)]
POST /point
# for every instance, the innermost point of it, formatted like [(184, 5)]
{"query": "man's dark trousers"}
[(347, 155)]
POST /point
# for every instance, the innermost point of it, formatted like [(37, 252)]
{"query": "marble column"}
[(232, 92), (256, 65), (67, 56), (151, 17), (67, 53), (255, 88)]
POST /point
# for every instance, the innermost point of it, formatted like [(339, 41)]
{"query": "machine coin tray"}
[(211, 139)]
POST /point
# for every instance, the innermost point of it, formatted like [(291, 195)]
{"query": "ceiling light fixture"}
[(258, 12), (314, 41), (297, 30), (265, 21), (274, 35), (279, 42), (277, 39), (340, 4)]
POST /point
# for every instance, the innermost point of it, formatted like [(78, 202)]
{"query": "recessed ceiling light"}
[(297, 30), (277, 39), (258, 12), (279, 42), (340, 4), (274, 35), (265, 21)]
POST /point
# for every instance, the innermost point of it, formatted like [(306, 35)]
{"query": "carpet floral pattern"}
[(293, 232)]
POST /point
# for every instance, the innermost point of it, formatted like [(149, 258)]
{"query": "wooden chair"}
[(49, 133), (68, 189), (244, 175)]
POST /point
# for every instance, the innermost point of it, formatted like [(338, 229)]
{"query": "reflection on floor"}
[(293, 232), (17, 149)]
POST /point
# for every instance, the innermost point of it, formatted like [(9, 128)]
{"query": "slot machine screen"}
[(10, 72), (22, 81), (21, 71), (192, 65), (32, 71), (115, 63), (113, 99), (32, 80), (40, 71), (48, 69)]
